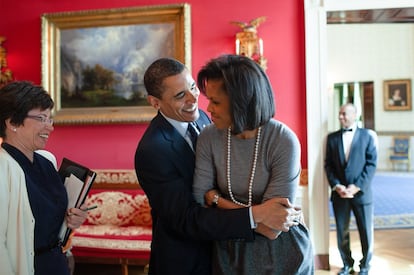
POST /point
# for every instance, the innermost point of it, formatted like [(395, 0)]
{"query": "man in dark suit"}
[(350, 164), (164, 162)]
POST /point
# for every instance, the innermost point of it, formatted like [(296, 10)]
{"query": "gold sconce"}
[(6, 74), (248, 43)]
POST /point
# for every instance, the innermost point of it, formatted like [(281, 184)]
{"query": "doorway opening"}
[(361, 94)]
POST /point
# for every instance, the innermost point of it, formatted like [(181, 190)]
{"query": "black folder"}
[(86, 176)]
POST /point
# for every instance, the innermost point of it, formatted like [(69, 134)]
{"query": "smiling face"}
[(179, 99), (33, 134), (347, 115), (219, 104)]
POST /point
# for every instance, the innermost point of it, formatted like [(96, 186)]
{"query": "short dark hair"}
[(158, 71), (248, 87), (17, 99)]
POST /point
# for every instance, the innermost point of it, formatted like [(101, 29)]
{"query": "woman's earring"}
[(14, 130)]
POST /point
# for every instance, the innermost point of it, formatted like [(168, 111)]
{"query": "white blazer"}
[(17, 222)]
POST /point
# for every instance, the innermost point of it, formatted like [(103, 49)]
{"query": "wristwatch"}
[(214, 203)]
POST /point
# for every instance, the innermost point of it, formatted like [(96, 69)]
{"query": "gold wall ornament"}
[(6, 74), (248, 43)]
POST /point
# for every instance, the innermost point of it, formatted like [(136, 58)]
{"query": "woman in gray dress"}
[(244, 158)]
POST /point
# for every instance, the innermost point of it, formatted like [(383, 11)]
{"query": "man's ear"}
[(154, 101)]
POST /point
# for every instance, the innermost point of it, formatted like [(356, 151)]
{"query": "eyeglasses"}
[(42, 119)]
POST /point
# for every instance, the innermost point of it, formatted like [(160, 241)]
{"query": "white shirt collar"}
[(180, 126), (353, 127)]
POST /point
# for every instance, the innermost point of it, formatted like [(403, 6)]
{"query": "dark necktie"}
[(193, 134), (346, 130)]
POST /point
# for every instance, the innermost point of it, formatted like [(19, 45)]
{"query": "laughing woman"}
[(244, 158), (33, 199)]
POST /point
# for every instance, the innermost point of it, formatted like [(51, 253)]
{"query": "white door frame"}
[(317, 200)]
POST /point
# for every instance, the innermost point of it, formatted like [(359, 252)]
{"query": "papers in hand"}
[(78, 181), (73, 188)]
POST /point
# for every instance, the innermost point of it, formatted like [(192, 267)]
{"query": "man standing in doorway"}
[(350, 164)]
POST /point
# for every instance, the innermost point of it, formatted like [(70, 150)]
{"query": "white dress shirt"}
[(347, 137), (181, 127)]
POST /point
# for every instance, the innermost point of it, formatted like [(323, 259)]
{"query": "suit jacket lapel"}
[(179, 146)]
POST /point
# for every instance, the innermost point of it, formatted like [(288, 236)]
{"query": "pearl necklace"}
[(253, 170)]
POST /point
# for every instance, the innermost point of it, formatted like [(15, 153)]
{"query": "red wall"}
[(113, 146)]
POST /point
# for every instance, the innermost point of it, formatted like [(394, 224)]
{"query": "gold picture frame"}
[(397, 95), (93, 61)]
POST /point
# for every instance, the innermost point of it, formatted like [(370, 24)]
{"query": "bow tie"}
[(346, 130)]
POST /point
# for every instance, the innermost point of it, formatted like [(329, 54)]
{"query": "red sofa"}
[(118, 231)]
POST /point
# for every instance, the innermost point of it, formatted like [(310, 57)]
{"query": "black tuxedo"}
[(358, 170), (182, 229)]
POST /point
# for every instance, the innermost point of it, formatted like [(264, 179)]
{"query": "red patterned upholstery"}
[(121, 207), (119, 229)]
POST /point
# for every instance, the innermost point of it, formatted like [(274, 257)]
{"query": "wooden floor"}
[(393, 252), (393, 255)]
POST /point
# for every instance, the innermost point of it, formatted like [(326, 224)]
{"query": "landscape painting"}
[(93, 62), (102, 67)]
